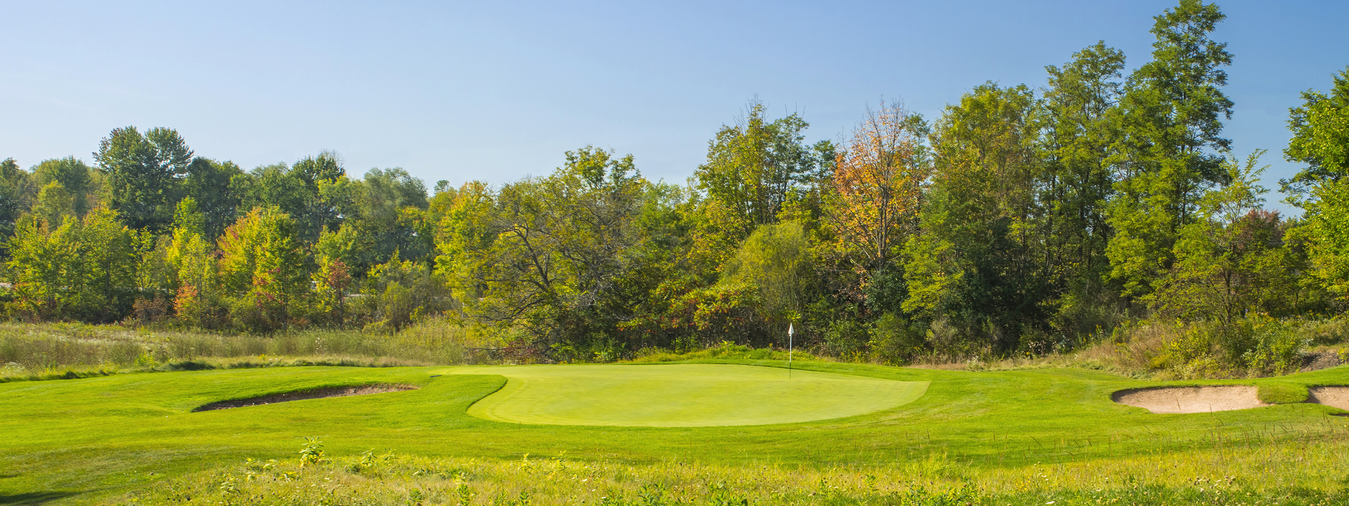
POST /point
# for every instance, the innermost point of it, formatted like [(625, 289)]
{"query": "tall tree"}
[(73, 175), (1081, 124), (549, 255), (1171, 150), (1224, 258), (17, 192), (144, 172), (751, 168), (1321, 140), (977, 262), (386, 210), (263, 270), (83, 268), (197, 301), (216, 192), (877, 186)]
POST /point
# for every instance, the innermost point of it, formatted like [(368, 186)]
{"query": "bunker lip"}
[(299, 395), (1196, 399)]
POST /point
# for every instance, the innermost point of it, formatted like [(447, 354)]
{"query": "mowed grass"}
[(682, 395), (118, 438)]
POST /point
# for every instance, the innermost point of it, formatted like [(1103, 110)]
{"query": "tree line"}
[(1019, 221)]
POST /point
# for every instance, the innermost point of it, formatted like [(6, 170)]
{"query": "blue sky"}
[(500, 90)]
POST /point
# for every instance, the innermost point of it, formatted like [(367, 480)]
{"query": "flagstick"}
[(789, 351)]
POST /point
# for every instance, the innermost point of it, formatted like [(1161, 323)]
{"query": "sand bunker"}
[(1335, 397), (1192, 399), (317, 393)]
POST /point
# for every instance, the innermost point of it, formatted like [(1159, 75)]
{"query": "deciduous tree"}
[(144, 172), (1171, 150)]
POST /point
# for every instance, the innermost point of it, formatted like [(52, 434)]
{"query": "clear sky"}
[(500, 90)]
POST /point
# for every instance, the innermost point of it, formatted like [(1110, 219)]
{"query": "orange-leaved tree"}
[(878, 184)]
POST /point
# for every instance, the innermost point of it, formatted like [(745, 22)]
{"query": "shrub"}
[(895, 340), (1255, 345)]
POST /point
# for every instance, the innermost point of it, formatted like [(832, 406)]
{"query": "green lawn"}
[(682, 395), (100, 439)]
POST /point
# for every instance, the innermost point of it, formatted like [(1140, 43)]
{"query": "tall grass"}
[(35, 351)]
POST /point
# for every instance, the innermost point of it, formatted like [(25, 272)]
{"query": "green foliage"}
[(1080, 117), (332, 279), (311, 453), (1231, 260), (74, 176), (752, 167), (977, 259), (217, 189), (263, 272), (1252, 346), (400, 293), (16, 193), (82, 269), (1170, 121), (897, 341), (387, 214), (53, 205), (197, 301), (144, 172), (549, 255), (1319, 127), (1320, 135), (775, 259)]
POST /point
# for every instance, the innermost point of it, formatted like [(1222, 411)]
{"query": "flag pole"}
[(789, 351)]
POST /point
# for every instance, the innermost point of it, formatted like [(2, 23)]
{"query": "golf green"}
[(681, 395)]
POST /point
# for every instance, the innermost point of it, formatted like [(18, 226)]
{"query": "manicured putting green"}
[(681, 395)]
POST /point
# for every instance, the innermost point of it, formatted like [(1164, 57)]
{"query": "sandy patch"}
[(317, 393), (1335, 397), (1191, 399)]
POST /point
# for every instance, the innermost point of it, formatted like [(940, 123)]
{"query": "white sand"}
[(1335, 397), (1192, 399)]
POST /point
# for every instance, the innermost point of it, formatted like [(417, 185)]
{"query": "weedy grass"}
[(991, 437), (72, 350)]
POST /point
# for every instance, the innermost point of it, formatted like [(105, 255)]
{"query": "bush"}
[(897, 341), (1256, 345), (402, 293), (846, 338)]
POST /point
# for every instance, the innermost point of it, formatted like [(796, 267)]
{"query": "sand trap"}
[(1191, 399), (1335, 397), (317, 393)]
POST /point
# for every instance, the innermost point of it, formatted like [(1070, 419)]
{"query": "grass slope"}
[(682, 395), (104, 439)]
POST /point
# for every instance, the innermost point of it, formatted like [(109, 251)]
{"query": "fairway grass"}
[(682, 395)]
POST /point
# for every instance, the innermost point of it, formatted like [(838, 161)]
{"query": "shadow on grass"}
[(34, 497)]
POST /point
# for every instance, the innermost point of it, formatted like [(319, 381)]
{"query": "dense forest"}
[(1020, 221)]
